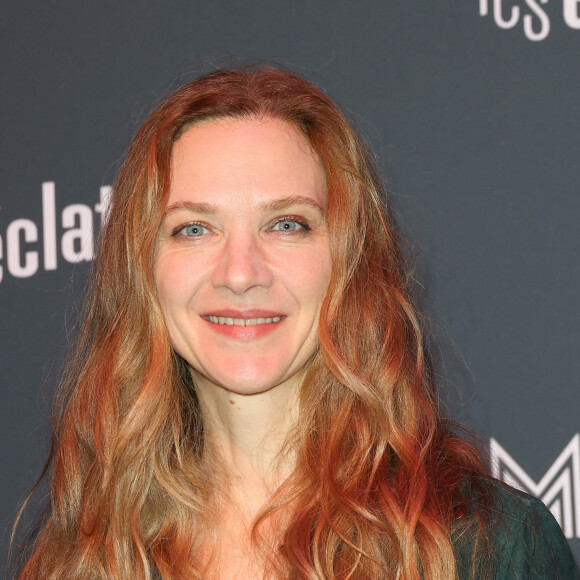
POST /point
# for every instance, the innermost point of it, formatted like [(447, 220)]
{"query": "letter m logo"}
[(559, 488)]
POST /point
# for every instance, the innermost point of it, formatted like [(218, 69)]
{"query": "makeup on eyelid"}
[(305, 226)]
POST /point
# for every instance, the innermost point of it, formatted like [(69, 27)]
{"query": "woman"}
[(250, 395)]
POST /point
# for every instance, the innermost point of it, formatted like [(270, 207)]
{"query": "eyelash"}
[(177, 232), (304, 227)]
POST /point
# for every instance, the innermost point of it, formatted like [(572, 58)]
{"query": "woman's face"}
[(243, 260)]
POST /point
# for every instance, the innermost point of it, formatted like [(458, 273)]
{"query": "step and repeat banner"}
[(473, 111)]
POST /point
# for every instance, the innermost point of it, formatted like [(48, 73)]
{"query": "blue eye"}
[(289, 225), (191, 231)]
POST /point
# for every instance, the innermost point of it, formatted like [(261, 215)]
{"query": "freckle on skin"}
[(232, 402)]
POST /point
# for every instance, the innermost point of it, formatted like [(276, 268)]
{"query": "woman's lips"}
[(245, 325), (242, 321)]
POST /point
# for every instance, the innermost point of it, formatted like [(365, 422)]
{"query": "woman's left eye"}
[(191, 231), (289, 225)]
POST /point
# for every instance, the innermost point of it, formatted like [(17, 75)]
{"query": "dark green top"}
[(526, 543)]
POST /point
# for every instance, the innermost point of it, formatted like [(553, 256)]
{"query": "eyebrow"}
[(193, 206), (274, 205), (286, 202)]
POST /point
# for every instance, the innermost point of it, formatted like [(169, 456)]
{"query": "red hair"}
[(380, 479)]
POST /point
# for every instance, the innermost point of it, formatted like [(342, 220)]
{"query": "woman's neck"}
[(247, 433), (246, 436)]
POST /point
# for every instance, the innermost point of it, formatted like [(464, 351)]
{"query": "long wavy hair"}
[(381, 486)]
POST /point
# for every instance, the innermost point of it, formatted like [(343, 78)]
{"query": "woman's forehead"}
[(262, 155)]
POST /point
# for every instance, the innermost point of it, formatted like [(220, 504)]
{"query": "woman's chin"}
[(245, 381)]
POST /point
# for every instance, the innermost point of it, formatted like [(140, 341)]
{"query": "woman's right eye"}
[(191, 231)]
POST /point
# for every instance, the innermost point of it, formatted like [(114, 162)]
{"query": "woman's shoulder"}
[(524, 539)]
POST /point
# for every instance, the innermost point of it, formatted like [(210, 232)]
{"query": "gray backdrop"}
[(472, 108)]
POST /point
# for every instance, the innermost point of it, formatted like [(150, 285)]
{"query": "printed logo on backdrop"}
[(21, 254), (559, 488), (530, 14)]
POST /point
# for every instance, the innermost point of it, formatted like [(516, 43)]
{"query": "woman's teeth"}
[(243, 321)]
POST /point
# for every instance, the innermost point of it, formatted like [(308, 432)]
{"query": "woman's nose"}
[(242, 264)]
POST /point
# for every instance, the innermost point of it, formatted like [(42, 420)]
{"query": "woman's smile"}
[(242, 321), (243, 260), (249, 325)]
